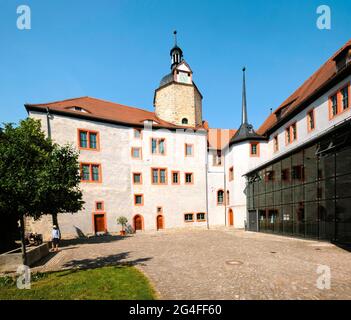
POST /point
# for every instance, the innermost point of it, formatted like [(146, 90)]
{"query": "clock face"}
[(183, 77)]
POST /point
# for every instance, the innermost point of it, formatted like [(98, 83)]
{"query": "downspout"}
[(48, 122), (225, 191), (206, 167)]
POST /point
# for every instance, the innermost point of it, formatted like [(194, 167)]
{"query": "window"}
[(285, 174), (297, 172), (137, 133), (99, 206), (201, 216), (184, 121), (188, 150), (175, 177), (88, 140), (231, 173), (137, 178), (189, 217), (254, 149), (158, 146), (217, 158), (310, 120), (189, 179), (159, 210), (339, 101), (90, 172), (345, 98), (158, 176), (138, 199), (275, 143), (136, 152), (220, 197), (270, 175), (291, 134), (228, 198)]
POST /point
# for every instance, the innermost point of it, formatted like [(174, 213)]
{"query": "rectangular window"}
[(200, 216), (88, 139), (138, 199), (90, 172), (158, 146), (345, 98), (188, 150), (310, 121), (189, 178), (189, 217), (291, 134), (175, 177), (99, 206), (275, 143), (136, 152), (285, 174), (297, 172), (158, 176), (231, 173), (254, 149), (137, 133), (217, 158), (334, 105), (137, 178)]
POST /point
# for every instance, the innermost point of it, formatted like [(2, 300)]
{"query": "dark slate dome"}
[(166, 79)]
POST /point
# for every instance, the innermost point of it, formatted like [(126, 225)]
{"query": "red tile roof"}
[(219, 138), (309, 87), (104, 110)]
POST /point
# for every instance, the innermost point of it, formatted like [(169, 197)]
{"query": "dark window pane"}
[(310, 163), (343, 226), (311, 190), (326, 213), (343, 186), (326, 188), (93, 140), (95, 172), (311, 219), (299, 219), (326, 166), (83, 137), (343, 162)]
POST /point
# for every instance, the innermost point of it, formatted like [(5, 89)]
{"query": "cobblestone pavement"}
[(193, 264)]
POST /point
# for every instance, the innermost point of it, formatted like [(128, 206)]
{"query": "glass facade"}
[(307, 193)]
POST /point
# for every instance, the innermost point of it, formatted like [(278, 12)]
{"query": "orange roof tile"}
[(219, 138), (309, 87)]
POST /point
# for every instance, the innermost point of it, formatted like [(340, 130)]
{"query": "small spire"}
[(175, 37), (244, 107)]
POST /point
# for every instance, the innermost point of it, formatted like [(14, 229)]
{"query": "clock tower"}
[(177, 99)]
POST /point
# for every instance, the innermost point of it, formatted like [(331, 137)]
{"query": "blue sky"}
[(118, 50)]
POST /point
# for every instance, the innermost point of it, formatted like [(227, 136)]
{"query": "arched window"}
[(228, 198), (220, 197), (184, 121)]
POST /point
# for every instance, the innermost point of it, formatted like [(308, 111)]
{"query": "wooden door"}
[(231, 218), (99, 221), (159, 222), (138, 224)]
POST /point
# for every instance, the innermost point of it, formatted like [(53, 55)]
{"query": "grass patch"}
[(107, 283)]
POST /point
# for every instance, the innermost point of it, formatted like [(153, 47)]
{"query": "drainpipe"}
[(206, 167), (48, 115), (225, 190)]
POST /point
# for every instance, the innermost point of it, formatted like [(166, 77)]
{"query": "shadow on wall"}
[(80, 233), (111, 260)]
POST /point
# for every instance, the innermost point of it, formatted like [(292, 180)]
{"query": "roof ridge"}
[(58, 101)]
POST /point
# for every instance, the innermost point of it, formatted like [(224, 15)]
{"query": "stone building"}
[(169, 169)]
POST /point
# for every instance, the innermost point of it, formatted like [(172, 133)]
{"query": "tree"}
[(122, 221), (30, 182)]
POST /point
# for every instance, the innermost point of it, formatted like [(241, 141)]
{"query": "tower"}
[(177, 99)]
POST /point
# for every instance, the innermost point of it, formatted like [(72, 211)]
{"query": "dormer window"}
[(343, 58), (79, 109), (184, 121)]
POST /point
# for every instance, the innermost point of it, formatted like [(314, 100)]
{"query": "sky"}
[(118, 50)]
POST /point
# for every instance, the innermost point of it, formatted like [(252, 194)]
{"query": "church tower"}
[(177, 99)]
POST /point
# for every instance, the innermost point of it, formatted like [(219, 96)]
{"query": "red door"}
[(138, 223), (231, 217), (159, 222), (99, 221)]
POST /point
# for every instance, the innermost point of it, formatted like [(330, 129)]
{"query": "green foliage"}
[(122, 221), (37, 176), (107, 283)]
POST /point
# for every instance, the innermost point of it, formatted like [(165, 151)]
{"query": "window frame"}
[(158, 153), (310, 115), (192, 178), (140, 153), (223, 198), (141, 178), (192, 217), (102, 210), (231, 173), (186, 145), (140, 133), (178, 173), (201, 220), (90, 164), (339, 100), (257, 144), (142, 199), (89, 132), (275, 143), (159, 176), (289, 136)]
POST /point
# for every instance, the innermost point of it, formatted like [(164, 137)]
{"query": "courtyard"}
[(216, 264)]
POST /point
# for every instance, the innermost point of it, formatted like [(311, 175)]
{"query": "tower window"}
[(184, 121)]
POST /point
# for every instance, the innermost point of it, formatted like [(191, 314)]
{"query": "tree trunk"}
[(54, 219), (23, 241)]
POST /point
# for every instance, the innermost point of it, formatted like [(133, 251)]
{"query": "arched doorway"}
[(138, 222), (159, 222), (230, 218)]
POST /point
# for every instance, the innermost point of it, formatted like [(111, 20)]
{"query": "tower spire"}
[(176, 52), (175, 37), (244, 119)]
